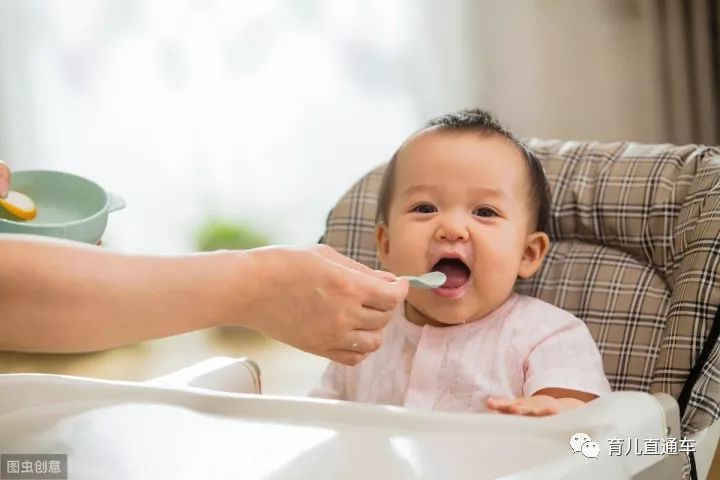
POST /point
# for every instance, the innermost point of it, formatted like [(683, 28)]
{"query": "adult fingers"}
[(362, 341), (346, 357), (381, 294), (4, 179), (335, 256), (372, 319), (382, 274), (332, 254)]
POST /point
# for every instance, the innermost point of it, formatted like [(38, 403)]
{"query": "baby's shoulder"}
[(532, 304), (536, 317)]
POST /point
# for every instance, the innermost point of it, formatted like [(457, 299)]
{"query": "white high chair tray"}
[(125, 430)]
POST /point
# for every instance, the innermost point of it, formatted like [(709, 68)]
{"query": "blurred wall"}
[(566, 69)]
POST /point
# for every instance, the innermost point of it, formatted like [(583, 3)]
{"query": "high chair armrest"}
[(671, 465), (672, 413), (225, 374)]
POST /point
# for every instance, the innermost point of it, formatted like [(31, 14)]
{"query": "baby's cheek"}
[(497, 258), (406, 259), (496, 269)]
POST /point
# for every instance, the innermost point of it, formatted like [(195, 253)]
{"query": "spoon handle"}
[(428, 280), (416, 282)]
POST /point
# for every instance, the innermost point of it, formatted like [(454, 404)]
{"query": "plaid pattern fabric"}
[(635, 253)]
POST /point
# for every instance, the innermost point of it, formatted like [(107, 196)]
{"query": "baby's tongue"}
[(457, 274)]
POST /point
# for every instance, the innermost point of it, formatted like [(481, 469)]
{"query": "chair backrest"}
[(635, 253)]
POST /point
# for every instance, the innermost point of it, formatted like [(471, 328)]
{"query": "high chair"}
[(635, 253)]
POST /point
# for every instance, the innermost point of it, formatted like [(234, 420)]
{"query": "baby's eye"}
[(484, 212), (424, 208)]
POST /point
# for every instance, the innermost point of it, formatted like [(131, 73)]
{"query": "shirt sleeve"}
[(332, 383), (565, 356)]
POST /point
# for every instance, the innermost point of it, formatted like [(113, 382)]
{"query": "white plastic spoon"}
[(427, 280)]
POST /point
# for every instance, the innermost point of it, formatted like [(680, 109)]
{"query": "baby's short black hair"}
[(480, 121)]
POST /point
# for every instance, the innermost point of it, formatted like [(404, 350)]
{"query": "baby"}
[(464, 197)]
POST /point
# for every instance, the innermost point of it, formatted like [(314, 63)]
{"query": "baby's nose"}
[(452, 230)]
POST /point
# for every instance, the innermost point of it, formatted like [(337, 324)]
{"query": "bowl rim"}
[(103, 210)]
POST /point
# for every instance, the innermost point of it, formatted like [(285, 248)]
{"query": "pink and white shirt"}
[(521, 347)]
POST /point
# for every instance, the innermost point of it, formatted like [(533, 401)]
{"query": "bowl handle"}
[(115, 202)]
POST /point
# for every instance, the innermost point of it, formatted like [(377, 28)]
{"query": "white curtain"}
[(265, 112)]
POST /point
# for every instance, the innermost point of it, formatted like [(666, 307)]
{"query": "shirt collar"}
[(413, 332)]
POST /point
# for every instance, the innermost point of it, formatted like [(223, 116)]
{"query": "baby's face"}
[(460, 205)]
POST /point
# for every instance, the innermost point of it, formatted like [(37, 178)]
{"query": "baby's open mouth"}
[(455, 270)]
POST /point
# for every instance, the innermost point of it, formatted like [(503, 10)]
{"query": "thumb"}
[(401, 287), (381, 274), (4, 179), (333, 255)]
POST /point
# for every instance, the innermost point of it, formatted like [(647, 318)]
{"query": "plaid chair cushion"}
[(635, 253)]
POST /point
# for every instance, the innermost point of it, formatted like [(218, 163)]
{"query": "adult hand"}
[(320, 301), (4, 179)]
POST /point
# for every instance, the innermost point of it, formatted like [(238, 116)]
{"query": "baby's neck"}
[(418, 318), (414, 315)]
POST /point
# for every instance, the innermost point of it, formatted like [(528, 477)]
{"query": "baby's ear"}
[(382, 242), (535, 249)]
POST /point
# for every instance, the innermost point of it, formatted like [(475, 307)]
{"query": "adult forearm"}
[(63, 297)]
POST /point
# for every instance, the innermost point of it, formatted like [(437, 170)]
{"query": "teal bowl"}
[(68, 206)]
